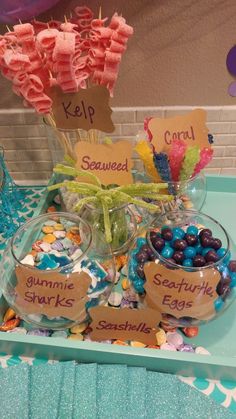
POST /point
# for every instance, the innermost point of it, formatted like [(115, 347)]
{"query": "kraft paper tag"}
[(181, 293), (190, 127), (86, 109), (52, 294), (124, 324), (111, 163)]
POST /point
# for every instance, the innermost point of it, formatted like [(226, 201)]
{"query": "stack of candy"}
[(189, 249), (36, 56), (180, 164)]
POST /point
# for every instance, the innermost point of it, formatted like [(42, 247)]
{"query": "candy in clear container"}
[(52, 273), (184, 266)]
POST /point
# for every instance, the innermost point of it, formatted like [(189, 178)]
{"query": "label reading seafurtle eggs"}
[(111, 163), (124, 324), (86, 109), (51, 294), (181, 293)]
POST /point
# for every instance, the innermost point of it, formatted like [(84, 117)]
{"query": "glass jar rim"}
[(186, 268), (187, 181), (47, 215)]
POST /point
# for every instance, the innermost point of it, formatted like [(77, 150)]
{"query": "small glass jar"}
[(189, 194), (123, 226), (184, 292), (52, 273)]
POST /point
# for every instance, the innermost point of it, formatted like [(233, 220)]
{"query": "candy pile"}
[(180, 164), (191, 248), (167, 338), (60, 247), (36, 56)]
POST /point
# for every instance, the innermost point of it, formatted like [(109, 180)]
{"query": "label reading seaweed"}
[(111, 163), (124, 324), (52, 294), (181, 293), (86, 109), (190, 128)]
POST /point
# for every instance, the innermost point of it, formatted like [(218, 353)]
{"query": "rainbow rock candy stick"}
[(191, 158), (206, 155), (176, 158)]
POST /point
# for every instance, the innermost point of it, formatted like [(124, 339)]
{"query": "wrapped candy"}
[(176, 157), (191, 158), (145, 153), (206, 155)]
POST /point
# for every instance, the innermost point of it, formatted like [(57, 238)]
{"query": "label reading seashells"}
[(181, 293), (86, 109), (111, 163), (52, 294), (190, 128), (124, 324)]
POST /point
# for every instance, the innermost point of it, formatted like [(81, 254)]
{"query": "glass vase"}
[(54, 285), (190, 288)]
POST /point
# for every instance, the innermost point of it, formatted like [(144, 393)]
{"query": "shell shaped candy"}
[(175, 339), (77, 336), (19, 330), (59, 234), (45, 247), (35, 245), (79, 328), (9, 325), (58, 227), (10, 314), (57, 245), (47, 229), (136, 344), (161, 337), (190, 332), (49, 238), (28, 260), (115, 299)]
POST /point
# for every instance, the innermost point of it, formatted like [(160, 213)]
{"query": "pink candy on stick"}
[(176, 157), (206, 155)]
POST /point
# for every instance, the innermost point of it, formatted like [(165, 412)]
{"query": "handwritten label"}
[(190, 128), (52, 294), (181, 293), (86, 109), (124, 324), (111, 163)]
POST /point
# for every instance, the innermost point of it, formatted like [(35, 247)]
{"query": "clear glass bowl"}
[(123, 226), (185, 295), (189, 194), (70, 276)]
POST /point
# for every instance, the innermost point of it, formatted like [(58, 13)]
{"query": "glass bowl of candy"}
[(188, 194), (184, 267), (52, 273)]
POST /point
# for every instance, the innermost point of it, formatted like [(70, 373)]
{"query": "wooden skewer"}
[(100, 12), (8, 29), (20, 22), (65, 19)]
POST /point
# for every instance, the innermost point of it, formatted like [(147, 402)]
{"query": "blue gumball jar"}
[(190, 280)]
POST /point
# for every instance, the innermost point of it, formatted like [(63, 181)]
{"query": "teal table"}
[(223, 392)]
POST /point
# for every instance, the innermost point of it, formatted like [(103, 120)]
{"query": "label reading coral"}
[(111, 163), (124, 324), (181, 293), (52, 294), (190, 128), (86, 109)]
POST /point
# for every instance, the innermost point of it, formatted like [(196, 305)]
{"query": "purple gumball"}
[(231, 61), (13, 10)]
